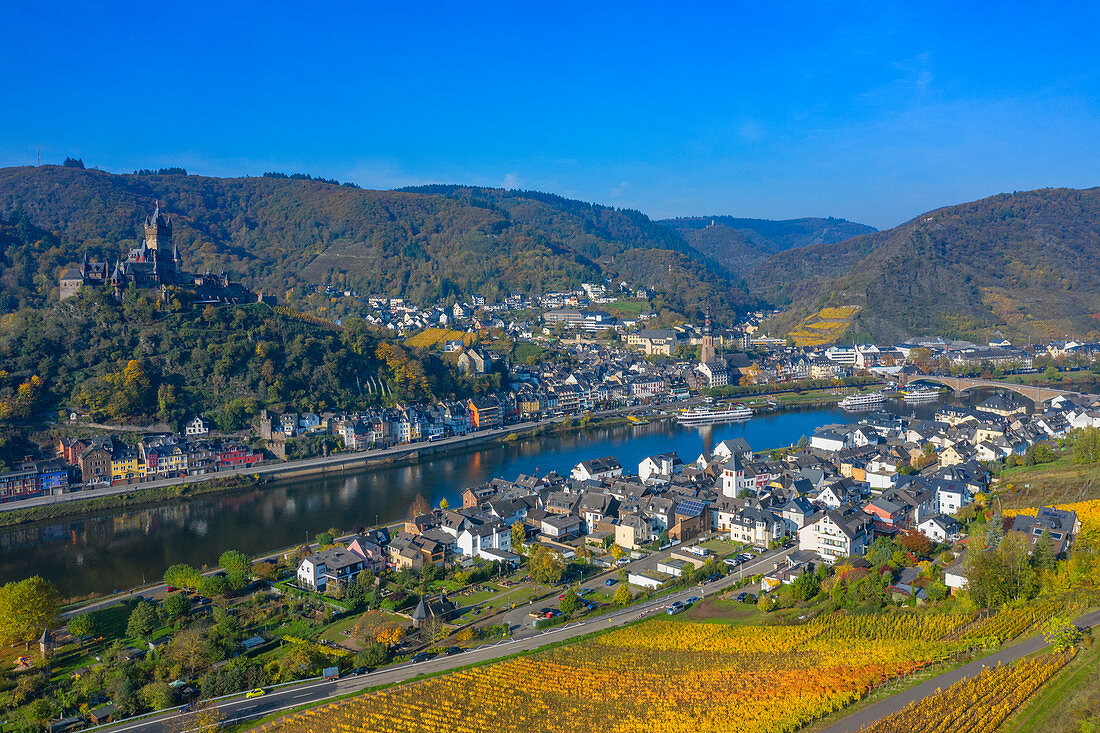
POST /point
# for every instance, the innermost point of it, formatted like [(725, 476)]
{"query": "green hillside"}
[(275, 233), (1017, 264), (741, 244)]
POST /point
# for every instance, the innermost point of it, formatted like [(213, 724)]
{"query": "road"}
[(894, 703), (236, 708), (335, 462)]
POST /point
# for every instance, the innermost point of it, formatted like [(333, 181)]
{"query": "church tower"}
[(158, 232), (706, 352)]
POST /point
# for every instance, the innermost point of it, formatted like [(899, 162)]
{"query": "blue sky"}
[(874, 111)]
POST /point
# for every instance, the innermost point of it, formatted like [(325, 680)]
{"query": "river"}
[(123, 548)]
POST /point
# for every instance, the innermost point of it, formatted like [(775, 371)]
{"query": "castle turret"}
[(158, 230)]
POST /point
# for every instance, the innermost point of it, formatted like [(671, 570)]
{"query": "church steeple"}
[(706, 351)]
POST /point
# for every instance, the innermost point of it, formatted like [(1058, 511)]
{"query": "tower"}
[(158, 231), (706, 352)]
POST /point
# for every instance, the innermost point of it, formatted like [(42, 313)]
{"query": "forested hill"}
[(276, 233), (740, 244), (1018, 264)]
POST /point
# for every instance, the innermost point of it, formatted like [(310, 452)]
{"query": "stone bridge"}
[(962, 384)]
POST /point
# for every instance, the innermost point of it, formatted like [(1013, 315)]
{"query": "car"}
[(675, 608), (454, 650), (623, 561), (561, 597), (258, 692), (584, 591), (693, 599), (714, 577), (731, 562), (358, 671), (741, 597), (171, 589), (609, 581), (421, 657)]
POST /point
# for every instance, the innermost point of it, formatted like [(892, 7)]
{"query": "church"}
[(153, 265)]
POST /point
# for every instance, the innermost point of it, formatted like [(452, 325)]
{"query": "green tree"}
[(1086, 445), (213, 585), (1043, 556), (26, 608), (372, 655), (182, 576), (325, 539), (237, 568), (545, 567), (175, 606), (81, 626), (569, 602), (143, 619), (804, 587), (622, 595)]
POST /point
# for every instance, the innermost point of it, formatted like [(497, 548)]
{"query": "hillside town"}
[(570, 379), (879, 476)]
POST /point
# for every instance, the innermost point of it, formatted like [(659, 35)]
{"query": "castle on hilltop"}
[(153, 265)]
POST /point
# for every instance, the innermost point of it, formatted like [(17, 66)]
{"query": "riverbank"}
[(185, 488)]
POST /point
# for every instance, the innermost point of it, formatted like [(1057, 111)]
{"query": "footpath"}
[(894, 703)]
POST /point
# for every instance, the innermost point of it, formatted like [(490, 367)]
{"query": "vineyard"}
[(648, 677), (976, 705), (1008, 623), (824, 327), (429, 337)]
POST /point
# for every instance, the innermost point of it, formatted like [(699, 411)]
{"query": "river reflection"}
[(118, 549)]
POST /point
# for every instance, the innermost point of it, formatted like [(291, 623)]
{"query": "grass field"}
[(1066, 702), (1060, 481)]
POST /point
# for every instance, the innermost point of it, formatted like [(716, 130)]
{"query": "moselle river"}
[(119, 549)]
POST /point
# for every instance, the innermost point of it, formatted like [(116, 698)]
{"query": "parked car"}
[(693, 599), (454, 650), (421, 657), (584, 591), (358, 671), (674, 608), (609, 581), (741, 597)]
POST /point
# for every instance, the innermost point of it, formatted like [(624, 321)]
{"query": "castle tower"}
[(706, 352), (158, 231)]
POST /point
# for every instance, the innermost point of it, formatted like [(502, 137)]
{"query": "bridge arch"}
[(1036, 395)]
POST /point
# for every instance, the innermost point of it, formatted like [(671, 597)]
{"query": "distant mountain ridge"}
[(1021, 264), (740, 244), (423, 244)]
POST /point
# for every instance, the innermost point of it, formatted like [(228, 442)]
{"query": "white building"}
[(834, 534), (321, 568), (198, 426), (474, 541), (597, 469)]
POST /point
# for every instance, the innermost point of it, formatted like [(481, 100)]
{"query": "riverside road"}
[(237, 708)]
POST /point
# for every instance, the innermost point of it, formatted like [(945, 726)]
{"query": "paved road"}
[(894, 703), (321, 464), (237, 708)]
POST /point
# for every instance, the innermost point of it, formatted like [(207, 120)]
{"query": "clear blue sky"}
[(871, 111)]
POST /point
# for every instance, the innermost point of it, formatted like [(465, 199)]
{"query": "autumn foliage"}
[(640, 678)]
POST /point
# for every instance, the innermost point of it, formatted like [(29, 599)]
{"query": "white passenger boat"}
[(863, 401), (705, 415)]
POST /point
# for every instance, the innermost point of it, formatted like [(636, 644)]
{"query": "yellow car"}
[(258, 692)]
